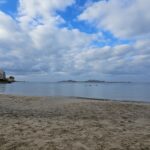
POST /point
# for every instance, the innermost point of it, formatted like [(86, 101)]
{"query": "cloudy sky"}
[(75, 39)]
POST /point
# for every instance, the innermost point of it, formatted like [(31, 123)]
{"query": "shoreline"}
[(65, 123), (81, 98)]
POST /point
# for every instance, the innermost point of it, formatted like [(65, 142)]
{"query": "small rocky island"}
[(4, 79), (92, 81)]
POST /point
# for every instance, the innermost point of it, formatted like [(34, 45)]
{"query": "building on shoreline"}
[(3, 78), (2, 75)]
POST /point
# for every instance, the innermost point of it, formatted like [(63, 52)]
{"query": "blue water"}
[(116, 91)]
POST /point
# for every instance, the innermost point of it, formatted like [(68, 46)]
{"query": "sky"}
[(51, 40)]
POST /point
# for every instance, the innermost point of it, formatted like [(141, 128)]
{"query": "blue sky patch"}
[(9, 7)]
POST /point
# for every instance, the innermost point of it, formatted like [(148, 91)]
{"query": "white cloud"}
[(42, 48), (124, 18), (125, 59), (33, 43), (39, 12)]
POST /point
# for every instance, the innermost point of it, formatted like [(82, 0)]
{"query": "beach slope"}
[(59, 123)]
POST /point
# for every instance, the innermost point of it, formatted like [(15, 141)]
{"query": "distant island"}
[(4, 79), (74, 81), (92, 81)]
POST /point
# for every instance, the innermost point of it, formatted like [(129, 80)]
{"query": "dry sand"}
[(52, 123)]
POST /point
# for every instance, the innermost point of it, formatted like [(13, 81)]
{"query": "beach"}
[(61, 123)]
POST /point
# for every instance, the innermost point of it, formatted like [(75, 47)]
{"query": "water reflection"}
[(2, 88), (118, 91)]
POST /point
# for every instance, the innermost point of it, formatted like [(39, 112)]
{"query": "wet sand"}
[(59, 123)]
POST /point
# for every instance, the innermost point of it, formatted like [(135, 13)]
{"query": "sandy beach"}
[(59, 123)]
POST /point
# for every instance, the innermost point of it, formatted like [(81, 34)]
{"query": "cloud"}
[(124, 18), (124, 59), (38, 12), (34, 45), (27, 48)]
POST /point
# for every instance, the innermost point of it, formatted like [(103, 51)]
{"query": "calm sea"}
[(116, 91)]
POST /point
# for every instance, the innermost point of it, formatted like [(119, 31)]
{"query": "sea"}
[(113, 91)]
